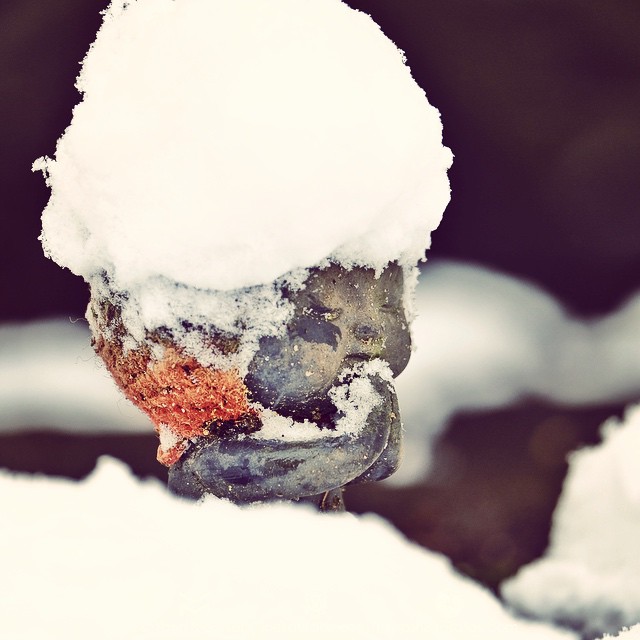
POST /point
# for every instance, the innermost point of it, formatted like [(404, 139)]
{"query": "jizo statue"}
[(341, 318), (250, 225)]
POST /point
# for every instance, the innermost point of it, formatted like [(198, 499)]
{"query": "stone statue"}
[(219, 236), (341, 319)]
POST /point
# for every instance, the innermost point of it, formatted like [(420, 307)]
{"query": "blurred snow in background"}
[(481, 340), (51, 377), (484, 339)]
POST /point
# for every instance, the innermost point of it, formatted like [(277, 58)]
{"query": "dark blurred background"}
[(541, 106), (540, 102)]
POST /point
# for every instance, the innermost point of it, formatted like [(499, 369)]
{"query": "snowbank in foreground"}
[(589, 575), (114, 557)]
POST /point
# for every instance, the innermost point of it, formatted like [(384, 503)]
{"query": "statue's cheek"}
[(316, 330), (285, 375), (398, 346)]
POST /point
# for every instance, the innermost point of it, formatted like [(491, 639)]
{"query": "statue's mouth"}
[(268, 464)]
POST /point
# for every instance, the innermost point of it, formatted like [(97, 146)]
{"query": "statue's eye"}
[(327, 313), (391, 306)]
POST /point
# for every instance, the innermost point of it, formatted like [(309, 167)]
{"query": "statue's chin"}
[(248, 469)]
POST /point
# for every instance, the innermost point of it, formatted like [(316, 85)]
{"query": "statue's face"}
[(341, 318)]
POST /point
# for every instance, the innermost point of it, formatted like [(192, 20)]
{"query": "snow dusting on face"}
[(354, 398), (220, 145)]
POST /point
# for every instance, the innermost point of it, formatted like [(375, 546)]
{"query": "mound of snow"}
[(114, 557), (220, 145), (589, 575)]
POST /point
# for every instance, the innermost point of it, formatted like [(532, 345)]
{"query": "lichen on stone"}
[(179, 394)]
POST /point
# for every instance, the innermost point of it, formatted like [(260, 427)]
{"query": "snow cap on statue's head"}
[(220, 145)]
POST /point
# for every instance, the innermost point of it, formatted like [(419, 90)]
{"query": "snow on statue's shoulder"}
[(221, 145)]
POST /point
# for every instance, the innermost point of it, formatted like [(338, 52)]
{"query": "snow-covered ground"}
[(113, 557), (632, 633)]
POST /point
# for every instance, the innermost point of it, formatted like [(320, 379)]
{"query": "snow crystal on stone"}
[(277, 427), (221, 145), (354, 399), (589, 575), (168, 439), (158, 303)]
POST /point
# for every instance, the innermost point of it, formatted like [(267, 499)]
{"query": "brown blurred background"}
[(541, 106)]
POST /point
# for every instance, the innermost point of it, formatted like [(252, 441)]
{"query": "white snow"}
[(167, 438), (248, 315), (277, 427), (221, 145), (354, 399), (589, 574), (628, 634), (113, 557)]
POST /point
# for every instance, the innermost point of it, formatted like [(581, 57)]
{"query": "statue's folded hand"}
[(245, 468)]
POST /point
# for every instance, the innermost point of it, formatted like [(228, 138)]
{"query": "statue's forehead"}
[(357, 279)]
